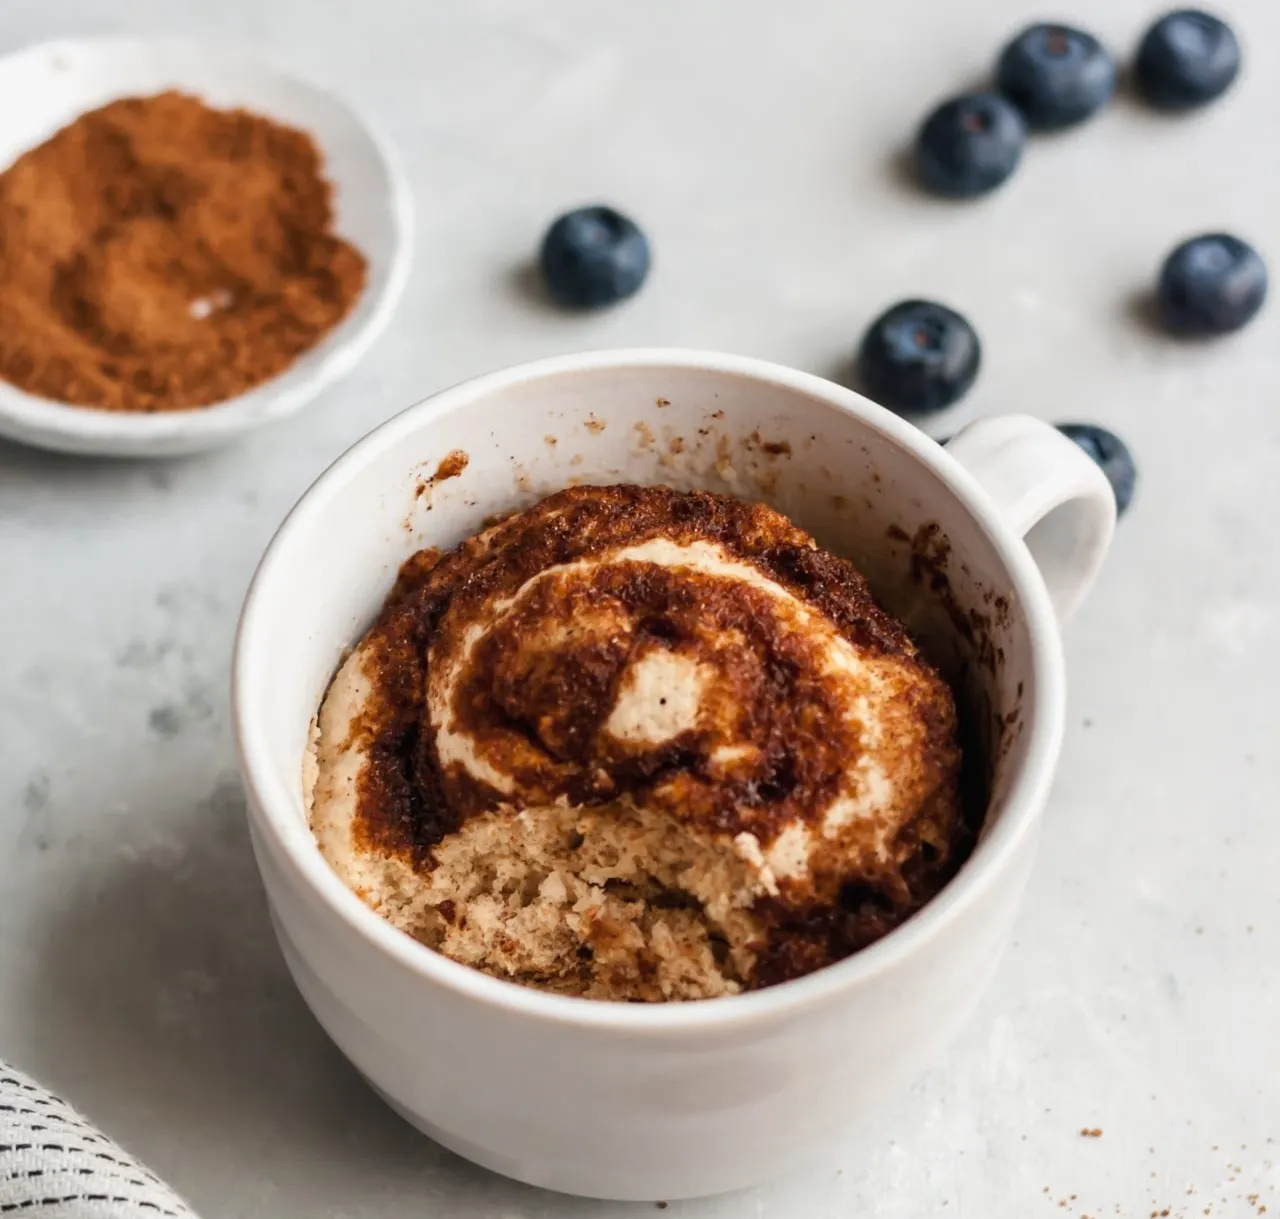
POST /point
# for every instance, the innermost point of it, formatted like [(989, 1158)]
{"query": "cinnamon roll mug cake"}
[(643, 744), (640, 744)]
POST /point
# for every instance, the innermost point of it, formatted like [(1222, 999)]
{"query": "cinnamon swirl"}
[(638, 744)]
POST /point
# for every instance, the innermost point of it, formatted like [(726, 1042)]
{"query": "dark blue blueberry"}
[(969, 145), (919, 356), (1111, 453), (594, 256), (1186, 59), (1211, 285), (1057, 76)]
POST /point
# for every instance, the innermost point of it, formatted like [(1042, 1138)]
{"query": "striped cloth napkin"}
[(55, 1165)]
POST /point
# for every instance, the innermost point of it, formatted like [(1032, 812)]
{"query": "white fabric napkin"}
[(55, 1165)]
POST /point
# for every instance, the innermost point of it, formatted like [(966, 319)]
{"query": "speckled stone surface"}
[(759, 144)]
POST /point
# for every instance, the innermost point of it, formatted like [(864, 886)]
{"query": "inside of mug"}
[(434, 477)]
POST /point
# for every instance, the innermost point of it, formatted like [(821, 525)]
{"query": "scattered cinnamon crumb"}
[(664, 402), (1090, 1132), (450, 467), (593, 424), (774, 448)]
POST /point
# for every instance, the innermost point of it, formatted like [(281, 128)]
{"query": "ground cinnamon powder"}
[(158, 254)]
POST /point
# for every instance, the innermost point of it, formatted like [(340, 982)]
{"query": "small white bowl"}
[(45, 87)]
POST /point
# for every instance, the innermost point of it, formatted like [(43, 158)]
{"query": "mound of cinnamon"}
[(158, 254)]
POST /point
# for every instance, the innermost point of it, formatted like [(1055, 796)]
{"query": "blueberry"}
[(1211, 285), (1186, 59), (919, 356), (1057, 76), (1111, 453), (594, 256), (969, 145)]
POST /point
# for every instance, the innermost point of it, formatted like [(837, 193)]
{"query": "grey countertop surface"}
[(759, 143)]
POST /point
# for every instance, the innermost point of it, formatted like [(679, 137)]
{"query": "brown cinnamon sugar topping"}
[(529, 634), (157, 254)]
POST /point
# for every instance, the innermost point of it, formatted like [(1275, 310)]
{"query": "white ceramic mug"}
[(661, 1101)]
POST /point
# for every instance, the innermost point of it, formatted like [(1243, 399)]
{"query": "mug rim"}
[(271, 805)]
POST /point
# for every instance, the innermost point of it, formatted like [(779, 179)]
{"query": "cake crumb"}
[(1090, 1132)]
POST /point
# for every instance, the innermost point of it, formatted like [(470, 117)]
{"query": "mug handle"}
[(1051, 493)]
